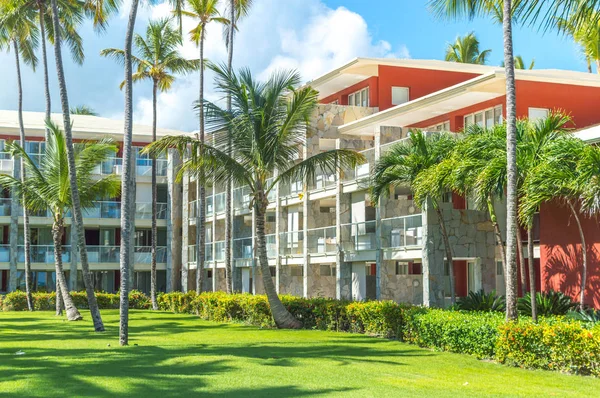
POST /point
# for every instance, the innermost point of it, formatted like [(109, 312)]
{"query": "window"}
[(336, 102), (408, 268), (499, 268), (485, 118), (326, 270), (537, 114), (445, 126), (297, 271), (399, 95), (359, 98)]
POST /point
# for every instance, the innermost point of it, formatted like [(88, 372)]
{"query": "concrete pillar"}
[(433, 259), (132, 236), (305, 254), (343, 271), (185, 230), (74, 257), (14, 232), (379, 251), (278, 230), (213, 232), (174, 243)]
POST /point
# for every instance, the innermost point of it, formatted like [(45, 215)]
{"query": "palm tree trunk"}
[(45, 66), (584, 254), (26, 241), (200, 188), (589, 64), (521, 262), (530, 261), (154, 207), (449, 257), (72, 312), (282, 317), (511, 166), (59, 303), (77, 217), (497, 232), (128, 169), (228, 204)]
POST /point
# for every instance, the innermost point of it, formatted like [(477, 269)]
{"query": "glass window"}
[(400, 95), (402, 268), (498, 114), (468, 120), (351, 99), (499, 268), (537, 114), (479, 119), (489, 118)]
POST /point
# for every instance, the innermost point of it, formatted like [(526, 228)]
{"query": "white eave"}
[(84, 127), (479, 89), (591, 135)]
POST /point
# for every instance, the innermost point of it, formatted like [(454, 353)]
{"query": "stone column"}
[(278, 230), (343, 270), (433, 259), (185, 230), (173, 223), (74, 257), (14, 232)]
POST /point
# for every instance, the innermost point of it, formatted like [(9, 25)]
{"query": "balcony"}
[(143, 167), (220, 250), (359, 236), (220, 202), (243, 249), (291, 243), (241, 198), (143, 211), (362, 171), (4, 253), (6, 163), (143, 254), (271, 246), (323, 180), (207, 253), (402, 232), (322, 240), (112, 209), (42, 254), (5, 206)]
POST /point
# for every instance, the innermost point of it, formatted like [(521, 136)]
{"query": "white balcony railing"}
[(400, 232)]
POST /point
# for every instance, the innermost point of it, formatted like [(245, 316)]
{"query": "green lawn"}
[(180, 355)]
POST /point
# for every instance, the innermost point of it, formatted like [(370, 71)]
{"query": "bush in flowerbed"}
[(177, 302), (382, 318), (553, 344), (44, 301), (473, 333)]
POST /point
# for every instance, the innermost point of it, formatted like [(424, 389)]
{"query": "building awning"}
[(479, 89)]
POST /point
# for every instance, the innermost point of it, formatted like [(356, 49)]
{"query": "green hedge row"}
[(17, 301), (381, 318), (554, 343)]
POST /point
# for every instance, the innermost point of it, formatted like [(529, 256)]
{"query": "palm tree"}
[(157, 60), (205, 12), (237, 10), (520, 63), (559, 175), (586, 34), (403, 165), (267, 124), (47, 188), (84, 110), (18, 30), (466, 50), (99, 10), (469, 8)]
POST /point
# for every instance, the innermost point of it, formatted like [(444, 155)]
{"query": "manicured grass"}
[(180, 355)]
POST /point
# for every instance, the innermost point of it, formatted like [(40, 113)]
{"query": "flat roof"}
[(84, 126), (589, 134), (360, 69)]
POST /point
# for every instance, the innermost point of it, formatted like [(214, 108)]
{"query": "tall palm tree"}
[(267, 124), (99, 10), (205, 12), (18, 29), (236, 10), (469, 8), (157, 60), (466, 50), (403, 165), (47, 188), (84, 110), (520, 63)]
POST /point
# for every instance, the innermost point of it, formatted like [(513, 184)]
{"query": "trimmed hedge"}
[(381, 318), (555, 344), (17, 300), (473, 333)]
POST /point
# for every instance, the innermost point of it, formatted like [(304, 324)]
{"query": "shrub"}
[(480, 301), (466, 333), (588, 315), (548, 303), (382, 318), (15, 301), (552, 344), (44, 301)]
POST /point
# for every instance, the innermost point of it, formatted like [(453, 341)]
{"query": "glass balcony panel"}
[(220, 251), (291, 243), (4, 253), (271, 246), (5, 206), (406, 231), (322, 240), (243, 248), (359, 236)]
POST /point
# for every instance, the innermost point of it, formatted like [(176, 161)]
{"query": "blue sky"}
[(313, 36)]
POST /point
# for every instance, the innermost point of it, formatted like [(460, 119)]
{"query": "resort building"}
[(102, 221), (325, 237)]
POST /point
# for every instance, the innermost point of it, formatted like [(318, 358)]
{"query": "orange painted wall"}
[(419, 81), (561, 254)]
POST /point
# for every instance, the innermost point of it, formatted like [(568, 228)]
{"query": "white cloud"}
[(302, 34)]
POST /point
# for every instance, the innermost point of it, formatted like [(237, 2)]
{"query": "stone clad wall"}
[(400, 288), (320, 285)]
